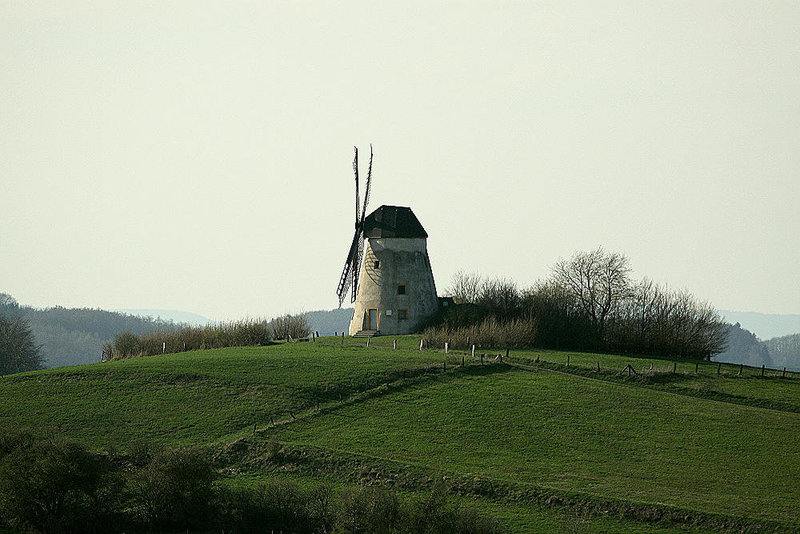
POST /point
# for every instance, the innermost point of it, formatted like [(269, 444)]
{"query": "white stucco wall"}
[(402, 261)]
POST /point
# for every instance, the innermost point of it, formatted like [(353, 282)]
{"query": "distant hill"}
[(75, 336), (764, 325), (176, 316), (328, 322)]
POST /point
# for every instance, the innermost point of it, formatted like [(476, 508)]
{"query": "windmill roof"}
[(393, 221)]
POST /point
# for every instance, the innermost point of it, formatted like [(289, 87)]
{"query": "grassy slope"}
[(195, 397), (543, 429), (581, 435)]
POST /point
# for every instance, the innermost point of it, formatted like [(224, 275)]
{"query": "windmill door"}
[(372, 319)]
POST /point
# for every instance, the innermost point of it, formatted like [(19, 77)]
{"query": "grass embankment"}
[(541, 450)]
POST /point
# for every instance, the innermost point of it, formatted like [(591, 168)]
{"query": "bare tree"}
[(465, 287), (598, 280)]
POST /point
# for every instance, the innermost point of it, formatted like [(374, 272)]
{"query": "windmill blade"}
[(357, 264), (367, 187), (355, 170), (346, 279)]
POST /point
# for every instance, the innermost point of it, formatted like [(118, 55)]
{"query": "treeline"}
[(51, 484), (241, 333), (75, 336), (785, 351), (589, 302)]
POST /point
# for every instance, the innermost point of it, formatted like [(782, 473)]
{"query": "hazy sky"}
[(196, 155)]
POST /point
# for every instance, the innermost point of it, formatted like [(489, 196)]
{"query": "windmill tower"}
[(393, 289)]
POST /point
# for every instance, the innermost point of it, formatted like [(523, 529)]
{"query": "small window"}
[(402, 314), (401, 289), (376, 264)]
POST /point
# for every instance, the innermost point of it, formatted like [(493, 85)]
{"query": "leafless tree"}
[(598, 280), (465, 287)]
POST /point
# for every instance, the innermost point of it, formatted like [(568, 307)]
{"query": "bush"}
[(294, 326), (56, 485), (368, 509), (175, 489)]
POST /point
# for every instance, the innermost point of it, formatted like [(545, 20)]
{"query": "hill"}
[(75, 336), (542, 440), (764, 325), (328, 322)]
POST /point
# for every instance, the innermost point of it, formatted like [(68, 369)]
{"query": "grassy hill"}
[(542, 440)]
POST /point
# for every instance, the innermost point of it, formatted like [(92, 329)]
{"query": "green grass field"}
[(541, 450)]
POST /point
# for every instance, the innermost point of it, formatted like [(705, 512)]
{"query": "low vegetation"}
[(588, 303), (243, 333), (51, 484)]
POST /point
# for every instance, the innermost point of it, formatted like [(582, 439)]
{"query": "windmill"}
[(392, 288), (349, 278)]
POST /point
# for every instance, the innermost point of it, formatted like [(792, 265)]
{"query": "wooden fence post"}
[(462, 359), (784, 373), (446, 347), (368, 338), (342, 338), (163, 347), (719, 366), (506, 353), (674, 367), (696, 365), (567, 360), (762, 370), (445, 364), (598, 366), (394, 344), (741, 369), (481, 359), (473, 351), (420, 344)]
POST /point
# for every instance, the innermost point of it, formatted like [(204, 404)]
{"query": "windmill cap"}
[(393, 221)]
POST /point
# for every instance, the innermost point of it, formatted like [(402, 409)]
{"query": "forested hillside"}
[(74, 336)]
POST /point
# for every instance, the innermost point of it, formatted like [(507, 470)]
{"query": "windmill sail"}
[(349, 278)]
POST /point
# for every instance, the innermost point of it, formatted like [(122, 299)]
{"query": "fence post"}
[(567, 360), (598, 366), (719, 366), (473, 351), (445, 364), (420, 344), (674, 367), (784, 373), (741, 368), (762, 370), (462, 359), (394, 344), (481, 359), (696, 365), (368, 338), (506, 353), (163, 347), (446, 347), (342, 338)]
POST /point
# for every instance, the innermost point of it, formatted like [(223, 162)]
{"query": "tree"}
[(598, 280), (18, 352)]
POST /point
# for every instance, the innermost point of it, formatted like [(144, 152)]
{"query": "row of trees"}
[(591, 302)]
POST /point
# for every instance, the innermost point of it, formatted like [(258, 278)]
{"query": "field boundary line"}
[(651, 387)]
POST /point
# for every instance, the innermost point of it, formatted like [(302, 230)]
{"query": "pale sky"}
[(196, 155)]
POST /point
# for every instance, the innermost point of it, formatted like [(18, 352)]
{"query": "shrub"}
[(368, 509), (294, 326), (491, 332), (175, 489), (56, 485)]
